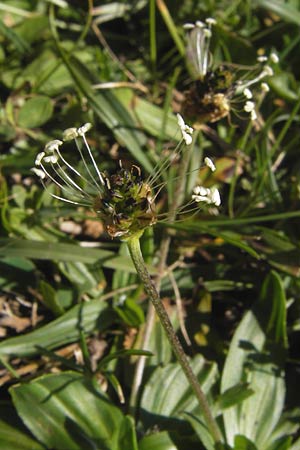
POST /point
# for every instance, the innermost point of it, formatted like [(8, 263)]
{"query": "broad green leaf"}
[(296, 445), (152, 117), (87, 317), (283, 9), (32, 28), (256, 356), (13, 439), (288, 425), (127, 435), (50, 298), (242, 443), (35, 112), (131, 313), (157, 441), (234, 395), (282, 84), (159, 344), (283, 443), (62, 252), (168, 395), (20, 44), (201, 430), (65, 411), (86, 277)]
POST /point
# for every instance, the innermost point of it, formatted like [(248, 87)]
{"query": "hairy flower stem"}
[(138, 260), (164, 250)]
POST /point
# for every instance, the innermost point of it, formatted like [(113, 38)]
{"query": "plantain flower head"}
[(219, 89), (122, 200)]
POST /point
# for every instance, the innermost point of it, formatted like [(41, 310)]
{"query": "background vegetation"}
[(72, 309)]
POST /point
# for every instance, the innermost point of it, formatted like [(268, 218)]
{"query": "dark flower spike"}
[(123, 200), (218, 90)]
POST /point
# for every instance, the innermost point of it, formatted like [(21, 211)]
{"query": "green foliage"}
[(72, 308)]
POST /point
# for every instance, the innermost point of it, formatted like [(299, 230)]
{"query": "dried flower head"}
[(218, 90)]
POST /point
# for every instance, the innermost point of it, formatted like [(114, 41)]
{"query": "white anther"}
[(53, 145), (264, 87), (206, 195), (200, 24), (249, 106), (201, 190), (207, 32), (187, 138), (268, 71), (262, 58), (253, 115), (210, 21), (70, 134), (247, 93), (39, 158), (51, 159), (215, 196), (209, 163), (84, 129), (188, 26), (180, 122), (39, 172), (274, 58)]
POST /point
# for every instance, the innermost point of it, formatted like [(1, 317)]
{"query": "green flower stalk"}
[(126, 205), (137, 258)]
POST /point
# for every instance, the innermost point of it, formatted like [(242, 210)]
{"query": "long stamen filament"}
[(86, 166), (93, 161)]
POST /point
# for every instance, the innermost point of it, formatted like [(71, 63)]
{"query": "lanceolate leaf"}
[(157, 441), (59, 251), (65, 329), (12, 438), (65, 412), (286, 10), (167, 394), (256, 356)]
